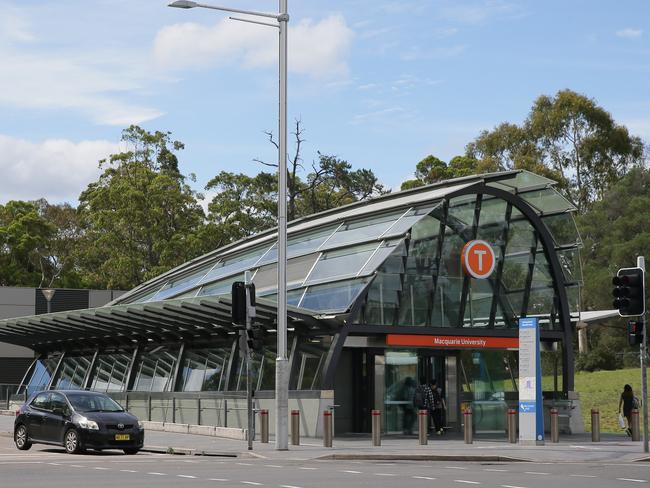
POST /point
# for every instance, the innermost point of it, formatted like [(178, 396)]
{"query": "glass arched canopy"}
[(398, 256)]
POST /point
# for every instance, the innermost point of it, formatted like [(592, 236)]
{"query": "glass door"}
[(400, 381)]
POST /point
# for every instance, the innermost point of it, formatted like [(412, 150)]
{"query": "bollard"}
[(595, 425), (295, 427), (423, 427), (327, 428), (264, 426), (512, 425), (636, 434), (555, 427), (469, 435), (376, 427)]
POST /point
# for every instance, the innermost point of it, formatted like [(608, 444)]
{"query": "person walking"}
[(436, 405), (629, 402), (421, 398)]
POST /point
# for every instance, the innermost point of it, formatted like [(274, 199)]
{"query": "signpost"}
[(531, 412)]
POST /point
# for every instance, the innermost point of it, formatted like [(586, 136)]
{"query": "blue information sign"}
[(531, 413)]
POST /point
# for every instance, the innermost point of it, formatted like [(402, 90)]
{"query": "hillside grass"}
[(602, 390)]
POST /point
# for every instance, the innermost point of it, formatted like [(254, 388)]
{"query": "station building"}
[(378, 301)]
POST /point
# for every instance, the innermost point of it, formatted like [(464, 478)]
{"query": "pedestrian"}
[(408, 405), (629, 402), (436, 405), (421, 397)]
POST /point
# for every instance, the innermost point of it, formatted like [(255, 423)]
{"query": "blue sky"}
[(378, 83)]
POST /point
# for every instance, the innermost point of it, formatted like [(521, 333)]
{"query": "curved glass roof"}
[(334, 254)]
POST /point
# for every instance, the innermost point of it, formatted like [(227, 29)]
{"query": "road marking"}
[(468, 482), (383, 474), (129, 471), (54, 464), (454, 467), (289, 486), (350, 471), (583, 475), (252, 483), (385, 464), (496, 470), (304, 467), (244, 464), (632, 479), (158, 474), (423, 478), (218, 479), (186, 476), (100, 468), (512, 486), (76, 466), (534, 472), (272, 466)]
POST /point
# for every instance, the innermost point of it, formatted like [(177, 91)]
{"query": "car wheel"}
[(21, 438), (71, 442), (130, 451)]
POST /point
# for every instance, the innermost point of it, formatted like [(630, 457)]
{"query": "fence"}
[(8, 395)]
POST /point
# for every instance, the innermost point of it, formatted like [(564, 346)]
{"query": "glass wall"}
[(205, 369), (41, 375), (110, 372), (156, 369), (72, 372)]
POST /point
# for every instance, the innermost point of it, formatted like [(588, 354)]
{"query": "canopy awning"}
[(184, 319)]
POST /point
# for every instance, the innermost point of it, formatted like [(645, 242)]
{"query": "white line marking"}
[(128, 471), (303, 467), (423, 478), (385, 464), (158, 474), (252, 483), (534, 472), (583, 475), (218, 479), (272, 466), (186, 476), (289, 486), (54, 464), (468, 482), (350, 471), (454, 467), (100, 468), (76, 466), (244, 464), (631, 479), (383, 474), (496, 470), (512, 486)]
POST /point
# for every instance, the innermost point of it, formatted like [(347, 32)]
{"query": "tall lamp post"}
[(282, 361), (48, 293)]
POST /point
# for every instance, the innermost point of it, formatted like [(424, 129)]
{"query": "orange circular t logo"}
[(477, 259)]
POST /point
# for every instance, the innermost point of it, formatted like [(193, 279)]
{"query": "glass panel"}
[(205, 369), (446, 304), (524, 180), (341, 263), (300, 244), (409, 220), (479, 303), (541, 302), (311, 358), (143, 298), (72, 373), (547, 200), (332, 297), (266, 278), (266, 380), (234, 264), (363, 230), (293, 296), (385, 250), (400, 383), (563, 229), (570, 263), (573, 295), (177, 285), (223, 287), (41, 374), (111, 371), (461, 211), (382, 303), (155, 370)]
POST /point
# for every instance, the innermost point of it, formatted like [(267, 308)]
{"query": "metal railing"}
[(7, 395)]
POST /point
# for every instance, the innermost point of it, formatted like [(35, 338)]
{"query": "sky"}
[(379, 83)]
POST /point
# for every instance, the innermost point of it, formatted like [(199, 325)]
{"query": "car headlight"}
[(84, 423), (140, 424)]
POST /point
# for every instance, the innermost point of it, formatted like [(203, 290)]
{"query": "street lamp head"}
[(183, 4), (48, 293)]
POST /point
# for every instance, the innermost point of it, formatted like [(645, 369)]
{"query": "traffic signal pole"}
[(250, 313), (640, 262)]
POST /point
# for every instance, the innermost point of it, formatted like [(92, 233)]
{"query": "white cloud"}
[(481, 11), (55, 169), (318, 49), (14, 27), (629, 33)]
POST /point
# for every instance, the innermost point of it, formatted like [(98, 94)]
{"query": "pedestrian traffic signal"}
[(255, 338), (635, 332), (243, 303), (629, 292)]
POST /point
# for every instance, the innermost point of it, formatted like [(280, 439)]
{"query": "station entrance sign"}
[(478, 259)]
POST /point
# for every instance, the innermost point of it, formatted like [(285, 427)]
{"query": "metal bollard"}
[(264, 426), (469, 435), (555, 427), (376, 427), (327, 428), (636, 433), (423, 427), (295, 427), (595, 425), (512, 426)]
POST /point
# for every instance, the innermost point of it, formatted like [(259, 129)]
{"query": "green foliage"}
[(140, 218), (432, 170)]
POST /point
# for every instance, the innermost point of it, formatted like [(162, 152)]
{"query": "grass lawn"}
[(602, 390)]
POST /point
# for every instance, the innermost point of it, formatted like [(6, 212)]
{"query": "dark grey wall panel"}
[(63, 300)]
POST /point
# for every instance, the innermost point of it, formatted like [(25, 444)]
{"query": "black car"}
[(77, 420)]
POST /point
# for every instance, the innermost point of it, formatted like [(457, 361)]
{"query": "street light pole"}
[(282, 361), (48, 293)]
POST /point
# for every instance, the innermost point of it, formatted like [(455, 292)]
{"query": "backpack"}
[(437, 398), (418, 398), (636, 403)]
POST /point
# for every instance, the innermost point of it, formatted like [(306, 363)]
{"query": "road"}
[(44, 465)]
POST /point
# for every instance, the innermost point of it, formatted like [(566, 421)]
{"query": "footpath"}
[(613, 448)]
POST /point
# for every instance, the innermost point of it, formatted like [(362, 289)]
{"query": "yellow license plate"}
[(122, 437)]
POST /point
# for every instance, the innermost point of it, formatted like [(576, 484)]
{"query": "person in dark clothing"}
[(629, 402), (436, 406), (421, 397), (408, 408)]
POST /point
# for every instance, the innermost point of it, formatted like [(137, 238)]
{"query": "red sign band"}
[(453, 342)]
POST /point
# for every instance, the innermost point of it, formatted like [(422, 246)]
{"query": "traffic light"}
[(629, 292), (255, 339), (243, 303), (635, 332)]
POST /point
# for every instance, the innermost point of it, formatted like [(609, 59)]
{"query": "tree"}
[(432, 170), (140, 218), (568, 138)]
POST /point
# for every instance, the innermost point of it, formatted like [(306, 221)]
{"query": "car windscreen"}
[(93, 403)]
